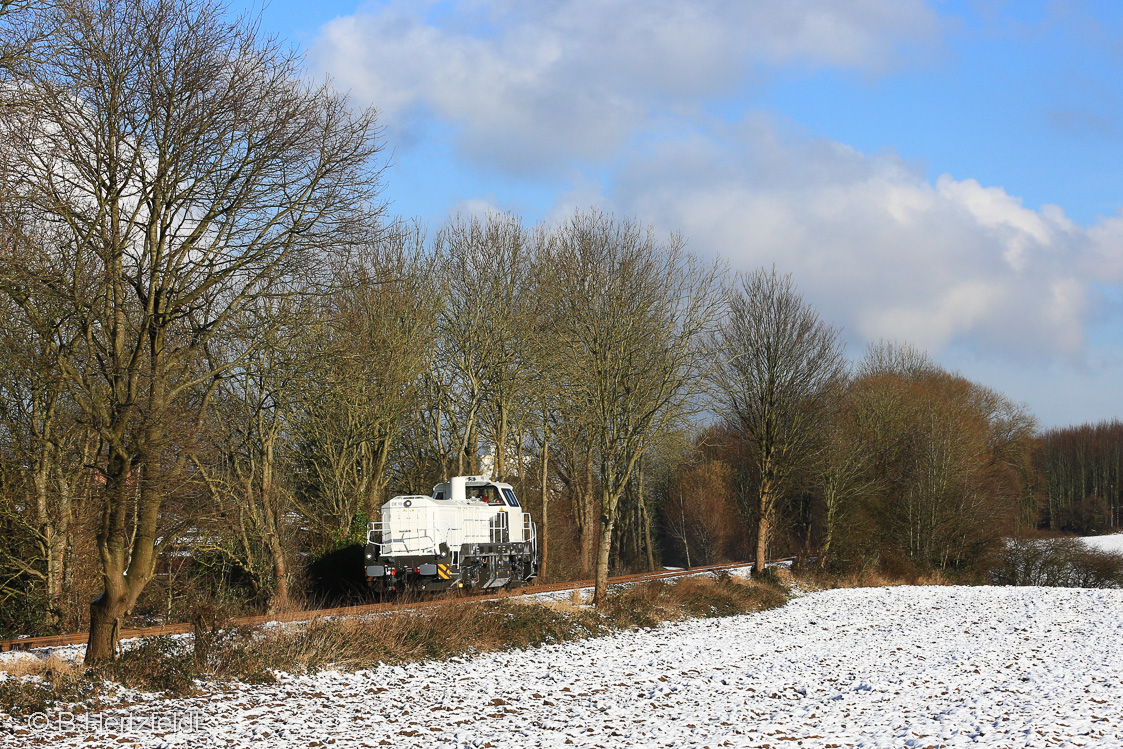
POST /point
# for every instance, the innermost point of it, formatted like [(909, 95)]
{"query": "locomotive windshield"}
[(489, 494), (492, 495)]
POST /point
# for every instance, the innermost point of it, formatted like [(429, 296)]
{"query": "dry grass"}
[(816, 579), (173, 665), (567, 606), (51, 667), (648, 604), (31, 685)]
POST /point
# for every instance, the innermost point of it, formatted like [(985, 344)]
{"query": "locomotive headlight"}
[(368, 556)]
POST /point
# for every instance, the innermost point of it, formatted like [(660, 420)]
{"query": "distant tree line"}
[(219, 357), (1081, 470)]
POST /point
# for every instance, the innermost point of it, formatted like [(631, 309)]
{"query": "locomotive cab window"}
[(489, 494), (510, 495)]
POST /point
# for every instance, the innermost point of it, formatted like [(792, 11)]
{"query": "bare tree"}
[(897, 358), (248, 469), (52, 447), (480, 364), (541, 390), (698, 508), (368, 355), (22, 24), (629, 315), (776, 364), (574, 463), (929, 469), (844, 472), (191, 171)]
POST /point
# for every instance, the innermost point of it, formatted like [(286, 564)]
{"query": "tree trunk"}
[(647, 541), (646, 517), (763, 530), (105, 628), (112, 545), (589, 521), (543, 542), (281, 593), (52, 536), (58, 550), (685, 531), (832, 500), (589, 535), (499, 469), (604, 550), (617, 543), (128, 560), (274, 512)]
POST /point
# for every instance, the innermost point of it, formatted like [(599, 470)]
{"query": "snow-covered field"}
[(1112, 543), (885, 667)]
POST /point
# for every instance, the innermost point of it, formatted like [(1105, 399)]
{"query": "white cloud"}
[(1107, 262), (616, 92), (545, 83), (478, 207), (873, 243)]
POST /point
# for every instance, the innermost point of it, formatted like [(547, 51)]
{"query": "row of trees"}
[(1082, 468), (216, 343), (215, 347), (893, 462), (554, 354)]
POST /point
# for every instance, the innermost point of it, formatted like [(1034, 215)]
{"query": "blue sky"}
[(940, 172)]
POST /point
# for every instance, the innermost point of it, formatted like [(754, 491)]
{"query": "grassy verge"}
[(177, 666), (811, 579), (32, 686)]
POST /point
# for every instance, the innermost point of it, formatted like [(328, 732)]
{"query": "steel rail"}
[(81, 638)]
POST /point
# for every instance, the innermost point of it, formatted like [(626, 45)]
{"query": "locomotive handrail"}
[(403, 540), (530, 530), (405, 543), (499, 528)]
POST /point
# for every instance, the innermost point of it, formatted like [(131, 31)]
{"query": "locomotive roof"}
[(478, 481)]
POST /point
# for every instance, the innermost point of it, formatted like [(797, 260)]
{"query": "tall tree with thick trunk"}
[(776, 365), (191, 171), (629, 315)]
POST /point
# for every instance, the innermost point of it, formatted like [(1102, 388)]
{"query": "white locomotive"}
[(471, 533)]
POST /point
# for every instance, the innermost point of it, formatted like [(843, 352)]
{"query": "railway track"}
[(81, 638)]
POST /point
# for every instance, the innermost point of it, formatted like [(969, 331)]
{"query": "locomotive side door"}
[(503, 499), (514, 514)]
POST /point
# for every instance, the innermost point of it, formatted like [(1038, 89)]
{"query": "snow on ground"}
[(1112, 543), (72, 653), (872, 667)]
